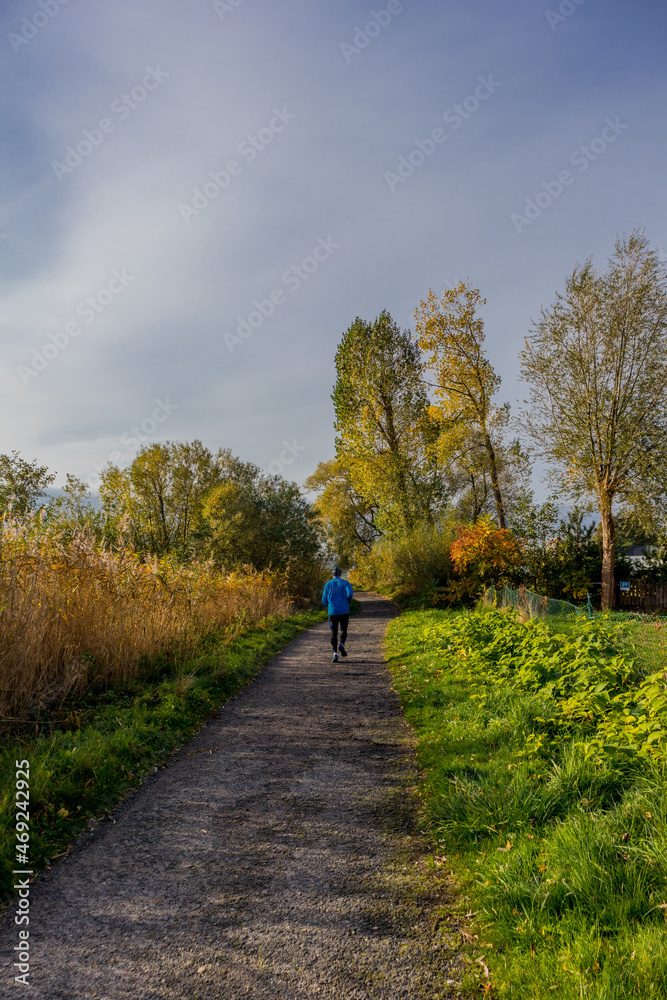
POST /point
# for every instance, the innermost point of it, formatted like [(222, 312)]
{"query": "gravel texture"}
[(275, 856)]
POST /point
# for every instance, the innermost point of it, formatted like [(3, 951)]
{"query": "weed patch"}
[(544, 787)]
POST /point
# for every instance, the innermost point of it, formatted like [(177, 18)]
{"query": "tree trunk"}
[(608, 553), (395, 449), (500, 510)]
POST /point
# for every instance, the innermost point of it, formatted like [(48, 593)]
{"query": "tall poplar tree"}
[(596, 364), (450, 329), (385, 436)]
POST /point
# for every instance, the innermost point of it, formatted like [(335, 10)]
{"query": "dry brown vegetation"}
[(73, 614)]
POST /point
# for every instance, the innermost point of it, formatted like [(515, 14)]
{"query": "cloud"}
[(220, 84)]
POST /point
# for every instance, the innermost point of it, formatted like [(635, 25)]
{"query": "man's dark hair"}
[(336, 571)]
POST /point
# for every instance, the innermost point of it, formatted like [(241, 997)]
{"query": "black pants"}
[(334, 622)]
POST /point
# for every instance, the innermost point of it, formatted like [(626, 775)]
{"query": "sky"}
[(200, 198)]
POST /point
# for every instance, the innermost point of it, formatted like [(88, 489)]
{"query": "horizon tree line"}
[(421, 437)]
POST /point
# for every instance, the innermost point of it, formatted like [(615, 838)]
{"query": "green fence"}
[(646, 634), (528, 604)]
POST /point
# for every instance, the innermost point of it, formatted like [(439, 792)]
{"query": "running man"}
[(337, 596)]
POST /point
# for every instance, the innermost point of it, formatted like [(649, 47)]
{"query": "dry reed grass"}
[(73, 614)]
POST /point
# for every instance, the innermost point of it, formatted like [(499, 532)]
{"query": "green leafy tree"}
[(386, 438), (561, 555), (183, 500), (346, 521), (22, 484), (596, 364), (254, 519), (536, 527), (576, 563), (157, 502), (73, 511)]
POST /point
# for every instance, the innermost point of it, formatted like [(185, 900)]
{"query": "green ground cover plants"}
[(114, 737), (543, 784)]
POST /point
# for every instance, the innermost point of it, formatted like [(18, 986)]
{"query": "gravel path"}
[(283, 864)]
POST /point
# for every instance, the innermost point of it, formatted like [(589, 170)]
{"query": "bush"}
[(415, 564), (481, 553), (591, 673)]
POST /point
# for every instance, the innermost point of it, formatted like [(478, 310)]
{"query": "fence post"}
[(589, 606)]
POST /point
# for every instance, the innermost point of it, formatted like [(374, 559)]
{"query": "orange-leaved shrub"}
[(481, 554)]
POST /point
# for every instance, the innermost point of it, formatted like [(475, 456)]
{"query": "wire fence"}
[(647, 633), (648, 638), (528, 604)]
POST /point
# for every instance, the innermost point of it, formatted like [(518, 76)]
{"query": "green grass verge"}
[(79, 773), (561, 851)]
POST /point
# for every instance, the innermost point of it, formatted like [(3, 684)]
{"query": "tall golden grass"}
[(73, 614)]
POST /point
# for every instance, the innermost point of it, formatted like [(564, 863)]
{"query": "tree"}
[(576, 558), (561, 556), (536, 527), (463, 452), (386, 439), (73, 511), (465, 380), (254, 519), (22, 484), (183, 500), (346, 520), (158, 499), (596, 363)]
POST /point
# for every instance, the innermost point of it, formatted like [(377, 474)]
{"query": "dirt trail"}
[(284, 864)]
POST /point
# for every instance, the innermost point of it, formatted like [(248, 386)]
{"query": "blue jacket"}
[(337, 594)]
